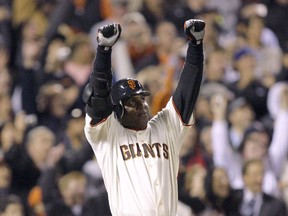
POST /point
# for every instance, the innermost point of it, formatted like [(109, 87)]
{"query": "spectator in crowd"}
[(203, 114), (82, 15), (157, 11), (258, 35), (77, 65), (29, 44), (12, 205), (77, 62), (240, 116), (13, 131), (264, 43), (27, 159), (169, 46), (216, 197), (57, 52), (247, 85), (252, 200), (256, 143), (77, 149), (215, 66), (69, 197), (228, 15), (192, 191), (187, 9), (54, 101), (139, 39), (218, 193), (27, 66), (212, 41)]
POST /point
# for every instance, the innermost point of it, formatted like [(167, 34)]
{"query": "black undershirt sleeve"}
[(187, 91)]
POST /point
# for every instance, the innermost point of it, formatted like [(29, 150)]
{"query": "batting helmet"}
[(124, 89)]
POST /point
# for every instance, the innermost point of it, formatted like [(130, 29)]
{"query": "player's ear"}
[(119, 110)]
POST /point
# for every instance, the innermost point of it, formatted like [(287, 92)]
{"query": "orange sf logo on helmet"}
[(131, 84)]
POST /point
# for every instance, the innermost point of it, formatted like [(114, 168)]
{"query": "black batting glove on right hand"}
[(195, 30), (108, 35)]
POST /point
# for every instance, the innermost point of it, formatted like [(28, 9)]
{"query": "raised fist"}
[(195, 30), (108, 35)]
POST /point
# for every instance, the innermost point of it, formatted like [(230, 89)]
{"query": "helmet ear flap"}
[(119, 110)]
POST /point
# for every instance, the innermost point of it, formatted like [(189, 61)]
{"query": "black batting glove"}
[(108, 35), (195, 30)]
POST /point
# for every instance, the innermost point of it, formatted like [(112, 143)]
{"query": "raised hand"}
[(218, 103), (108, 35), (195, 30)]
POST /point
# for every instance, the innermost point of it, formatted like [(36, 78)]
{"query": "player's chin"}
[(143, 118)]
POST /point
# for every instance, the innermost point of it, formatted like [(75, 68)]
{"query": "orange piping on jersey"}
[(94, 125), (178, 113)]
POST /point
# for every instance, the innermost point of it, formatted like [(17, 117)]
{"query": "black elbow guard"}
[(87, 93), (97, 107), (101, 84)]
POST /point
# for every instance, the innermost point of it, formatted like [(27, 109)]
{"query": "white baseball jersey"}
[(140, 168)]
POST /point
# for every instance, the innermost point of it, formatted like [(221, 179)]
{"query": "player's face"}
[(136, 114)]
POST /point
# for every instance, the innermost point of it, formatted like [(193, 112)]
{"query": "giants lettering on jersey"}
[(147, 150)]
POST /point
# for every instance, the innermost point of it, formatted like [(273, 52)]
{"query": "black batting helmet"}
[(124, 89)]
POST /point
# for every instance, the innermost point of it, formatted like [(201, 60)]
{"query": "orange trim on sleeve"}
[(94, 125), (178, 113)]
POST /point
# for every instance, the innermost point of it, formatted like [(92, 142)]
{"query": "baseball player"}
[(138, 156)]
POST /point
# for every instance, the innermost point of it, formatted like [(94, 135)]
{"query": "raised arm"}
[(222, 151), (96, 93), (187, 91), (279, 146)]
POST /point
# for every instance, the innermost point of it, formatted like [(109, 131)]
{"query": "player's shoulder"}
[(109, 121)]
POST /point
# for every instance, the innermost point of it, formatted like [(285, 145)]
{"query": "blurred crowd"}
[(239, 141)]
